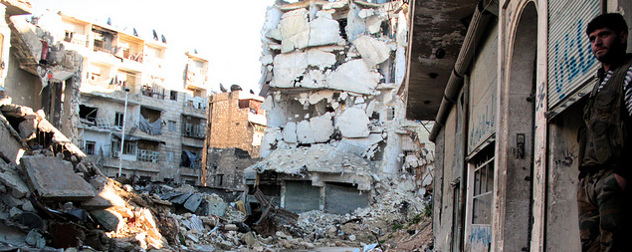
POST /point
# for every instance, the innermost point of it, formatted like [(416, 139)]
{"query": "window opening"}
[(90, 147)]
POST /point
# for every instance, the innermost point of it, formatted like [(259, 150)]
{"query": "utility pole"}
[(207, 140), (123, 134)]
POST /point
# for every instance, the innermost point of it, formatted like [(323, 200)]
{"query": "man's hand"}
[(620, 180)]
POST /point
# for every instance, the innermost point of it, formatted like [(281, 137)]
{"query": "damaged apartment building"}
[(334, 78), (236, 127), (125, 98)]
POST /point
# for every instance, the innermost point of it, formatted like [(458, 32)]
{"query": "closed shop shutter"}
[(571, 65)]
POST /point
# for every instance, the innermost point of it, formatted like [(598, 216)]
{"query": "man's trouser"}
[(604, 213)]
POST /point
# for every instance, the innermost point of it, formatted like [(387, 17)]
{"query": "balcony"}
[(193, 130), (147, 156), (196, 78)]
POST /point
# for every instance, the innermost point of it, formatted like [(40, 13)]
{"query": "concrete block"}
[(287, 69), (320, 59), (289, 133), (373, 51), (304, 133), (354, 76), (12, 180), (193, 202), (324, 31), (213, 204), (110, 220), (353, 123), (321, 128), (27, 129), (55, 179)]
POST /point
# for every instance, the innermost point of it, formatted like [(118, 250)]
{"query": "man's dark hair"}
[(613, 21)]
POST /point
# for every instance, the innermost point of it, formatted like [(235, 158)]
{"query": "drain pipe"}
[(484, 12)]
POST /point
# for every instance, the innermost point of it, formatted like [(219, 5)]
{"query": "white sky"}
[(226, 32)]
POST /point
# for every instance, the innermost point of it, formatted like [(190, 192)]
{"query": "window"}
[(219, 179), (172, 126), (87, 115), (173, 95), (89, 147), (390, 113), (118, 119), (129, 148), (482, 184)]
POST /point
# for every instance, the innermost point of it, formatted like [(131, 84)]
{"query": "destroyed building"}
[(127, 100), (334, 78), (237, 121)]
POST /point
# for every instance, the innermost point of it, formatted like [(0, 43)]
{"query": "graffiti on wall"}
[(481, 237), (570, 59), (482, 122)]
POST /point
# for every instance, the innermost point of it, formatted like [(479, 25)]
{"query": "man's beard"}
[(614, 52)]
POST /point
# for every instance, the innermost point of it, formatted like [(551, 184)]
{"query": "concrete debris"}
[(372, 50), (54, 179), (353, 123)]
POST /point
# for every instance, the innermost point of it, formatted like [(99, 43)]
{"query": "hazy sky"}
[(227, 32)]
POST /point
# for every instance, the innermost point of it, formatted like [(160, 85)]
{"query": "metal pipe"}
[(475, 31), (123, 134)]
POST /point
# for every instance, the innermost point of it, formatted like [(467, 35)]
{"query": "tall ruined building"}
[(333, 75)]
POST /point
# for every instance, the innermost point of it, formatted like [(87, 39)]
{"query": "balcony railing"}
[(148, 155), (193, 130)]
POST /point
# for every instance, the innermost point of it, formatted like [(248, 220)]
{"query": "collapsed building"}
[(334, 78)]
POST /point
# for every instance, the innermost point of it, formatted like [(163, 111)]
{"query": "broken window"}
[(150, 121), (88, 115), (104, 39), (118, 119), (173, 95), (193, 127), (153, 90), (482, 182), (219, 179), (89, 147), (390, 113), (129, 147), (172, 125), (68, 36), (190, 158)]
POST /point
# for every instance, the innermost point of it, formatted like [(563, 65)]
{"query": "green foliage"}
[(428, 210), (397, 226)]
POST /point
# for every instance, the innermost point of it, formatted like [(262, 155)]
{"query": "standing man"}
[(606, 142)]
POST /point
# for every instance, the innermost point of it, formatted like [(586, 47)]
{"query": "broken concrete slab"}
[(27, 129), (54, 179), (354, 76), (320, 59), (193, 202), (287, 69), (322, 128), (372, 50), (180, 199), (294, 29), (353, 123), (213, 205), (289, 133), (109, 219), (355, 24), (324, 31), (106, 197), (12, 180)]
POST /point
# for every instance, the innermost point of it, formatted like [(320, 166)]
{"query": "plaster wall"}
[(22, 86), (561, 204)]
